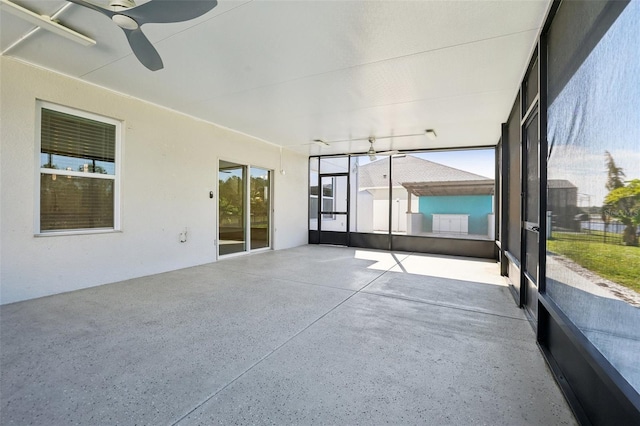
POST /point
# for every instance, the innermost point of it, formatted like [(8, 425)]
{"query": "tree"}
[(259, 197), (623, 203), (231, 200), (615, 174)]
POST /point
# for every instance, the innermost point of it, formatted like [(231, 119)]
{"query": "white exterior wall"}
[(364, 212), (169, 164), (399, 208)]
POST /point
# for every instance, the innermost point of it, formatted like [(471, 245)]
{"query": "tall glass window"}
[(444, 194), (370, 195), (429, 194)]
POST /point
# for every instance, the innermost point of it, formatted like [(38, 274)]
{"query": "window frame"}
[(39, 170)]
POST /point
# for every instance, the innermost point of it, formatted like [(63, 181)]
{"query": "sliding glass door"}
[(260, 208), (244, 208), (231, 208)]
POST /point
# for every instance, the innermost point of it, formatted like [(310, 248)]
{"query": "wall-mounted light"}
[(282, 170), (431, 134)]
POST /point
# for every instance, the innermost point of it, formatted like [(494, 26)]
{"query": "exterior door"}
[(531, 222), (260, 208), (333, 209), (232, 226)]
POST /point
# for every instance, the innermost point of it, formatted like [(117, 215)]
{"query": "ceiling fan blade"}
[(144, 50), (163, 11), (92, 6)]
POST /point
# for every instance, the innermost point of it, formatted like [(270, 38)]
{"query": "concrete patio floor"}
[(311, 335)]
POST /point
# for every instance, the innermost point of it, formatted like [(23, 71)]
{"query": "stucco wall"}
[(169, 165), (476, 206)]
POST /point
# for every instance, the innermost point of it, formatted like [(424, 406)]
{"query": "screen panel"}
[(592, 258)]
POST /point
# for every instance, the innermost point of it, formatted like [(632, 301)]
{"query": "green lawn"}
[(618, 263)]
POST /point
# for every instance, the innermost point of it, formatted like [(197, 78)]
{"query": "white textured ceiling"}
[(289, 72)]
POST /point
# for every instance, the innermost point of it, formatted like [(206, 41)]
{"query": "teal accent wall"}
[(476, 206)]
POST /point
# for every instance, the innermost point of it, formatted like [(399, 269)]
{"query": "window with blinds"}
[(78, 170)]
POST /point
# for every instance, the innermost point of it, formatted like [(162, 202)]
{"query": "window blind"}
[(78, 137), (71, 202)]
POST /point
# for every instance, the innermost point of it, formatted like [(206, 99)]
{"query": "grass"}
[(618, 263)]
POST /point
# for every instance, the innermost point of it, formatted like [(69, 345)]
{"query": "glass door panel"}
[(332, 165), (231, 208), (260, 207), (313, 196), (333, 199), (334, 196), (531, 217)]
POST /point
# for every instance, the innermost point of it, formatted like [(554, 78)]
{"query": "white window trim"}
[(38, 170)]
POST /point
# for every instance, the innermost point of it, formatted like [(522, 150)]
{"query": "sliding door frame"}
[(247, 208)]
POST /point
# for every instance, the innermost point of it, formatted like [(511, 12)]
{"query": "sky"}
[(599, 110), (478, 161)]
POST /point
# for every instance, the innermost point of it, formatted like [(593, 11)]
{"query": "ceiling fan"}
[(372, 152), (130, 18)]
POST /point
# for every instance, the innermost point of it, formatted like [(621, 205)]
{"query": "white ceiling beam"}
[(46, 23)]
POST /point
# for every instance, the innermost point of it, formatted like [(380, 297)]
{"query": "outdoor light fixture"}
[(282, 171), (431, 134)]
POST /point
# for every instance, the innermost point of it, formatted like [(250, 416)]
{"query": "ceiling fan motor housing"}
[(117, 5), (123, 21), (372, 152)]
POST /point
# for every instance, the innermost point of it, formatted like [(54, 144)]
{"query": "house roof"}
[(412, 169), (559, 183), (468, 187)]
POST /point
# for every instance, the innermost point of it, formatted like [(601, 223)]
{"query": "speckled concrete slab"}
[(338, 267), (379, 360), (144, 351), (312, 335), (429, 283)]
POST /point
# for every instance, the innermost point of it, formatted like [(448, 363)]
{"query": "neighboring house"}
[(562, 202), (427, 197)]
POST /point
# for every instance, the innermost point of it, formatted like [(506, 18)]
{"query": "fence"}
[(595, 231)]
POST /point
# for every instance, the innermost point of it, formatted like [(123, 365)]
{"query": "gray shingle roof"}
[(411, 169)]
